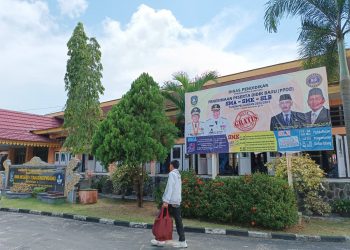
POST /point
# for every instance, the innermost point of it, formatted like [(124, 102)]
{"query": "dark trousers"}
[(175, 212)]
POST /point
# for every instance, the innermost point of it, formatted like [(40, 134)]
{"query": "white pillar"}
[(193, 160), (209, 161), (214, 165), (153, 168)]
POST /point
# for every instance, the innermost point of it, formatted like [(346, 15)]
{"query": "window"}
[(275, 154), (20, 155), (340, 147), (176, 153), (337, 116), (244, 155), (41, 152), (63, 158)]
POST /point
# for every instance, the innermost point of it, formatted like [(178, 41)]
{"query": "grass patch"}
[(104, 208), (128, 211), (316, 226)]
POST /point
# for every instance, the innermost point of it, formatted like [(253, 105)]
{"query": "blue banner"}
[(207, 144), (304, 139)]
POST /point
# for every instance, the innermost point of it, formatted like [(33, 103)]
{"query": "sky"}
[(160, 37)]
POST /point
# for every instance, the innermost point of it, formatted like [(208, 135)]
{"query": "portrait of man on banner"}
[(195, 127), (319, 115), (217, 124), (287, 118)]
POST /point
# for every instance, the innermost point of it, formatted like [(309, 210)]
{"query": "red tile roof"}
[(18, 126), (106, 109)]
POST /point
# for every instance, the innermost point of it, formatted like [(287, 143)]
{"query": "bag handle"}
[(167, 212), (161, 214)]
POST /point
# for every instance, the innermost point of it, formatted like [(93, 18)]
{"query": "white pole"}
[(289, 169), (214, 165)]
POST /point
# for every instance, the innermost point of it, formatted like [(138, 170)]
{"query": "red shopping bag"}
[(163, 226)]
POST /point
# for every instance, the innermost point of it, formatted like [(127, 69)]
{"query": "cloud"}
[(225, 27), (72, 8), (34, 52), (33, 56), (155, 42)]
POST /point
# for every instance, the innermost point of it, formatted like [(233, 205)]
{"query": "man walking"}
[(172, 200)]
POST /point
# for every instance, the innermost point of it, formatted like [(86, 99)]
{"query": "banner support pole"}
[(289, 169), (214, 164)]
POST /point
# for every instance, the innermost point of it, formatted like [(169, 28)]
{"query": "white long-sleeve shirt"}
[(172, 193)]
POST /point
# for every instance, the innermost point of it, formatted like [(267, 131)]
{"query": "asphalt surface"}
[(27, 231)]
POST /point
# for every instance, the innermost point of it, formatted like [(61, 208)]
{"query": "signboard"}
[(288, 112), (50, 178)]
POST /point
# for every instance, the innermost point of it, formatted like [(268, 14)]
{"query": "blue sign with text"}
[(304, 139)]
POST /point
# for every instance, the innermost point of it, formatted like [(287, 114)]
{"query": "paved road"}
[(27, 231)]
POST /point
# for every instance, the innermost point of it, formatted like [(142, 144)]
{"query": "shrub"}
[(158, 194), (264, 201), (148, 186), (125, 178), (216, 203), (307, 181), (192, 184), (341, 207), (97, 183), (259, 200), (107, 187), (307, 175), (315, 205), (38, 190), (103, 185), (122, 179)]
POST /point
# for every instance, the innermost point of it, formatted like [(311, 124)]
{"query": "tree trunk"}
[(344, 81), (140, 182)]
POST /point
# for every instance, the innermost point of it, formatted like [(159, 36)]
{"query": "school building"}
[(24, 135)]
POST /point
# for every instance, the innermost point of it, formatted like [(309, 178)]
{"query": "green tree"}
[(324, 24), (175, 91), (136, 131), (83, 83)]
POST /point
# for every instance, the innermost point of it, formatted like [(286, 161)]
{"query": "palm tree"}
[(324, 24), (175, 91)]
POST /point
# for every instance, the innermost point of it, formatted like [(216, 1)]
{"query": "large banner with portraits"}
[(288, 112)]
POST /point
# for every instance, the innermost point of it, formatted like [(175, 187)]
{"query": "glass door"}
[(176, 154)]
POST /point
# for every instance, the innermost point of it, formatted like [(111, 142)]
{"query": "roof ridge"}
[(29, 114)]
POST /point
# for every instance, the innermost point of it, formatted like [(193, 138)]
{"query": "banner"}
[(51, 178), (288, 112)]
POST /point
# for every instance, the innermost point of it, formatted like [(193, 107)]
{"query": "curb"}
[(216, 231)]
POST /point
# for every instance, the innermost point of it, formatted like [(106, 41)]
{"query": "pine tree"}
[(83, 83), (136, 131)]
